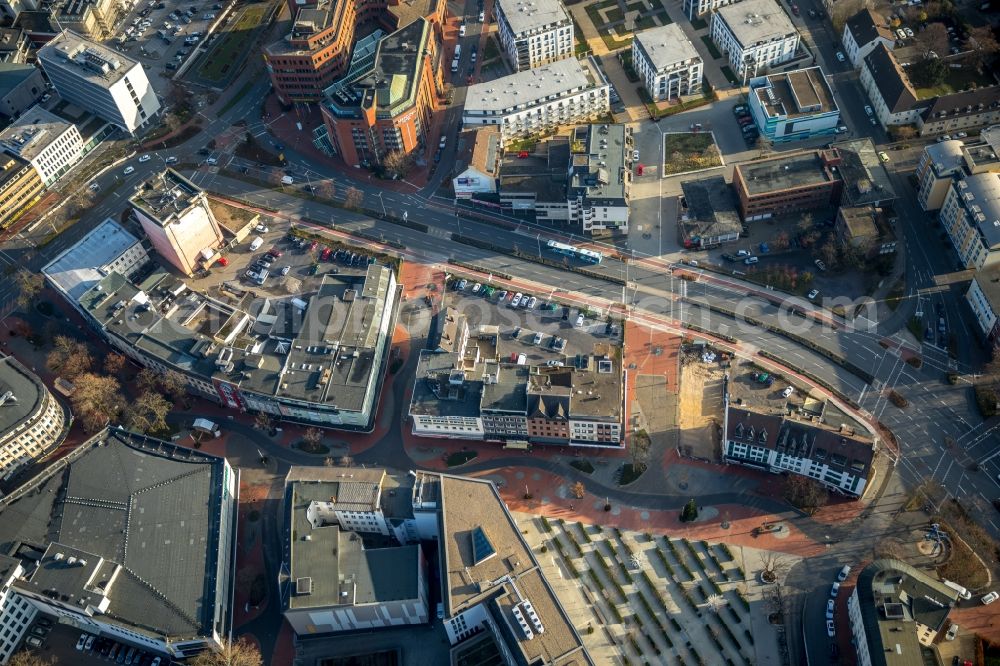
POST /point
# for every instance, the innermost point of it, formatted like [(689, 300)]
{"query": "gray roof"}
[(865, 179), (598, 171), (529, 16), (890, 79), (165, 196), (945, 157), (77, 269), (524, 90), (433, 392), (893, 597), (12, 75), (87, 59), (711, 209), (787, 171), (754, 21), (507, 392), (140, 506), (666, 46), (866, 26), (980, 195), (543, 174), (802, 92), (33, 132), (27, 392)]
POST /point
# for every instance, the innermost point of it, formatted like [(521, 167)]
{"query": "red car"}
[(639, 169), (744, 120), (222, 261), (325, 256), (313, 246), (275, 252)]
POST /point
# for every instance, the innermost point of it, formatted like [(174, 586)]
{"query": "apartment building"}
[(538, 101), (178, 221), (21, 85), (384, 104), (938, 163), (140, 576), (32, 422), (896, 612), (793, 106), (970, 215), (667, 62), (787, 183), (20, 188), (478, 166), (862, 33), (961, 111), (837, 458), (49, 143), (534, 32), (581, 181), (983, 297), (107, 83), (16, 612), (754, 35)]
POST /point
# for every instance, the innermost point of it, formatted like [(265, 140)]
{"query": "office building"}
[(970, 215), (896, 612), (20, 188), (478, 166), (108, 248), (539, 101), (667, 62), (32, 422), (50, 144), (178, 221), (792, 106), (534, 32), (708, 215), (318, 359), (838, 458), (107, 83), (95, 19), (11, 9), (16, 612), (385, 102), (754, 35), (787, 183), (581, 182), (357, 587), (317, 49), (862, 33), (21, 85), (130, 538), (866, 229)]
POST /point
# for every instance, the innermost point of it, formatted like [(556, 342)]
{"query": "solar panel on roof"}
[(482, 549)]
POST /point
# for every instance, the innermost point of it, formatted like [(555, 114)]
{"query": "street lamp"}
[(382, 201)]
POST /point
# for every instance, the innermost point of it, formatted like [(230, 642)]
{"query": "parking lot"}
[(60, 645), (540, 334)]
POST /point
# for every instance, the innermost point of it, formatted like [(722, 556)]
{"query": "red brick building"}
[(788, 183), (318, 49), (387, 101)]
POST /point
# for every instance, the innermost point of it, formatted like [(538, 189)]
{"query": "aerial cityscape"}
[(500, 332)]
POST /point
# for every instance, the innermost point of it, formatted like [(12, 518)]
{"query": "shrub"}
[(545, 523), (897, 399), (986, 400), (915, 361)]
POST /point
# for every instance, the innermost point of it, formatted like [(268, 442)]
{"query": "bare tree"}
[(933, 38), (28, 284), (981, 45), (173, 385), (328, 462), (345, 461), (397, 163), (69, 357), (148, 379), (843, 10), (264, 421), (578, 490), (28, 658), (114, 363), (354, 198), (805, 493), (773, 565), (97, 400), (239, 653), (148, 413)]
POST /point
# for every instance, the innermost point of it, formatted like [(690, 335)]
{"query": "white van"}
[(579, 320), (962, 592), (287, 180), (255, 245)]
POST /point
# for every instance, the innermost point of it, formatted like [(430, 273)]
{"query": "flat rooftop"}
[(598, 170), (543, 173), (87, 59), (33, 132), (865, 179), (21, 392), (76, 269), (165, 196), (712, 208), (523, 90), (485, 560), (140, 507), (756, 21), (982, 154), (526, 17), (667, 46), (443, 389), (946, 157), (803, 92), (786, 172)]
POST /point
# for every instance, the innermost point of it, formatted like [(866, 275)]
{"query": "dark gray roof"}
[(27, 391), (153, 509), (966, 103), (867, 26), (711, 209), (12, 75), (890, 80), (913, 597), (865, 179)]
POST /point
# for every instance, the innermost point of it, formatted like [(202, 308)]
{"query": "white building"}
[(893, 98), (938, 163), (695, 8), (534, 32), (971, 217), (49, 143), (178, 221), (754, 35), (774, 443), (105, 82), (983, 298), (538, 101), (16, 612), (478, 167), (795, 105), (32, 422), (667, 62), (862, 33)]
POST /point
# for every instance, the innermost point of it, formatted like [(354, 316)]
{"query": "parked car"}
[(739, 109), (83, 639), (868, 110), (884, 156), (831, 629), (532, 302), (830, 603), (751, 260), (820, 265), (787, 392), (517, 300), (952, 632), (812, 294), (461, 30), (990, 598), (834, 589)]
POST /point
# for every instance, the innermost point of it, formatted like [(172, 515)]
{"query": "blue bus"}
[(581, 253)]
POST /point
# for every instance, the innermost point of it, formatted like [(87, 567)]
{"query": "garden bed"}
[(692, 151)]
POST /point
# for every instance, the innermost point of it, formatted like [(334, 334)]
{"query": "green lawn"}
[(956, 81), (689, 152), (710, 45), (227, 53), (580, 45)]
